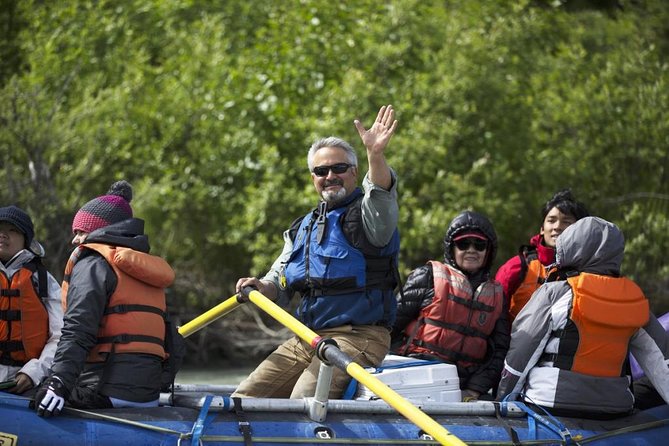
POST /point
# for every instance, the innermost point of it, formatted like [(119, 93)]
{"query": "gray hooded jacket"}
[(595, 246)]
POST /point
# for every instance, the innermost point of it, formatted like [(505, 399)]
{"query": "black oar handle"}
[(329, 352), (243, 296), (324, 347)]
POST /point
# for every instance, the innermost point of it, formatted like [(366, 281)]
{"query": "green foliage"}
[(208, 109), (646, 228)]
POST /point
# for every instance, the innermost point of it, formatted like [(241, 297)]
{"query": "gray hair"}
[(331, 141)]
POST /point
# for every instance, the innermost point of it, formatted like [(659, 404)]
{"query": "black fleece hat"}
[(468, 223), (21, 220)]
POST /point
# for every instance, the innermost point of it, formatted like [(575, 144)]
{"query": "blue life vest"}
[(342, 277)]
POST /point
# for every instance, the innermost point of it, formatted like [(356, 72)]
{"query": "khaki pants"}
[(292, 369)]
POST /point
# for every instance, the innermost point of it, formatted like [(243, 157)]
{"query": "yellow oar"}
[(210, 316), (342, 361)]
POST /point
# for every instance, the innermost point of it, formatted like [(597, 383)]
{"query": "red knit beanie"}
[(106, 209)]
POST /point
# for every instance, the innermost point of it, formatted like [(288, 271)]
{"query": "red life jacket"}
[(134, 320), (24, 320), (456, 325), (605, 312), (534, 275)]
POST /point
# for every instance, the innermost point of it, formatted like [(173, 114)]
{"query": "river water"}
[(213, 374)]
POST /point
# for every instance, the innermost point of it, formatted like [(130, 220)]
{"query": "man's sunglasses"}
[(478, 244), (339, 168)]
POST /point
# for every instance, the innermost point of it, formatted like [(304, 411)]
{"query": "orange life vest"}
[(456, 325), (24, 320), (134, 320), (605, 312), (534, 275)]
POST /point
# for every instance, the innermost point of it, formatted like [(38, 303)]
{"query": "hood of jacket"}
[(591, 245), (471, 221), (127, 233)]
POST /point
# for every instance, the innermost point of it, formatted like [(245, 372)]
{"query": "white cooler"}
[(416, 380)]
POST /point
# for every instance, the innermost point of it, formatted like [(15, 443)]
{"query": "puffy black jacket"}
[(418, 292)]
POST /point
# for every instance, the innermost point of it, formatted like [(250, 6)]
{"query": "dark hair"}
[(566, 203)]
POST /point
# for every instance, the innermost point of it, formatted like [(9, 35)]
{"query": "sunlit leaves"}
[(208, 109)]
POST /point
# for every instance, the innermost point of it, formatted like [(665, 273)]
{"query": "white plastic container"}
[(416, 380)]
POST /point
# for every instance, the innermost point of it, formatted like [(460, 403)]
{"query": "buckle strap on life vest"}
[(128, 338), (451, 354), (127, 308), (471, 303), (11, 346), (331, 287), (469, 331), (10, 293), (549, 357), (10, 315), (7, 360)]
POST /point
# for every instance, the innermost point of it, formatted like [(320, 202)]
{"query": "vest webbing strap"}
[(6, 360), (127, 338), (471, 303), (127, 308), (10, 293), (469, 331), (453, 355), (558, 333), (11, 346), (527, 254), (36, 266), (10, 315), (549, 357), (42, 282)]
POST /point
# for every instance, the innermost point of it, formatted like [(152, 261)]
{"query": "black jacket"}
[(132, 377), (418, 292)]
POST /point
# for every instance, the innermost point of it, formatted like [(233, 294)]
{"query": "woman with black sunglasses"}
[(454, 312)]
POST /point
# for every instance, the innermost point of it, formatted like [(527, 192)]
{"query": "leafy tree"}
[(208, 109)]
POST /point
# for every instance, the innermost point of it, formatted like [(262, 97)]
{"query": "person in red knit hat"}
[(114, 207), (112, 347)]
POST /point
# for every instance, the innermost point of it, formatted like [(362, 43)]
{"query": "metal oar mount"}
[(328, 351)]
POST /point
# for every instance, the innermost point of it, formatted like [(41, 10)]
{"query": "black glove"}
[(50, 398)]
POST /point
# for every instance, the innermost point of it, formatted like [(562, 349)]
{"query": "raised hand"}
[(376, 138)]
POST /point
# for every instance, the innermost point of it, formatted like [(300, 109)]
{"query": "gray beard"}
[(333, 198)]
